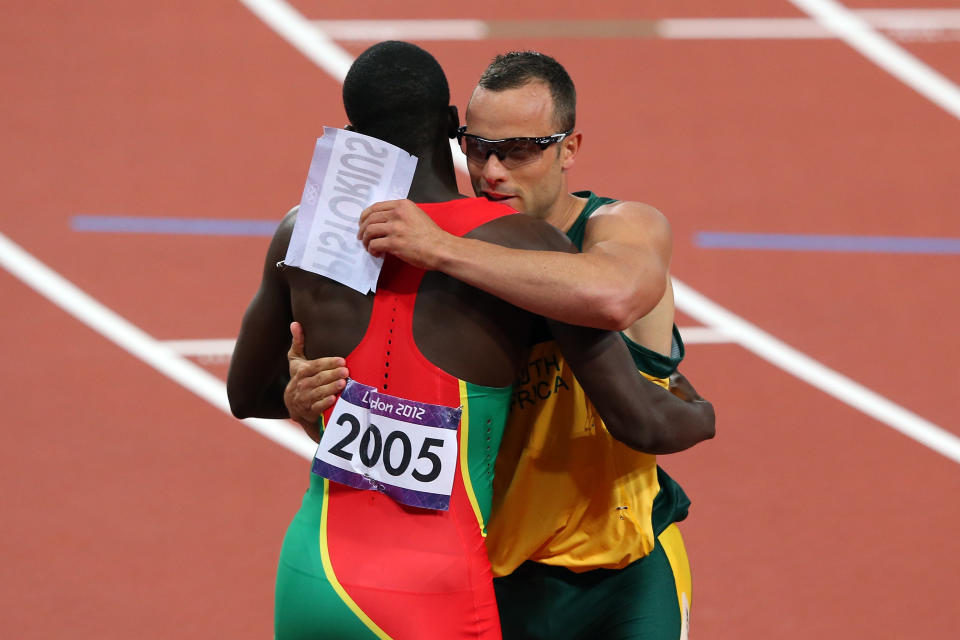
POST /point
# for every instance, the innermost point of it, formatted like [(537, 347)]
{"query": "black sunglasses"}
[(511, 152)]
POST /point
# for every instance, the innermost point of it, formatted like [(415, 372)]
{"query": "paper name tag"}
[(348, 173), (403, 448)]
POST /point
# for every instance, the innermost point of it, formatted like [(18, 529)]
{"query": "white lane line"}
[(202, 347), (911, 18), (892, 58), (296, 30), (138, 343), (376, 30), (814, 373), (907, 24), (318, 47), (772, 350), (740, 29), (704, 335)]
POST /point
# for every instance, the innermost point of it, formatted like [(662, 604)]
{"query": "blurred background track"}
[(136, 508)]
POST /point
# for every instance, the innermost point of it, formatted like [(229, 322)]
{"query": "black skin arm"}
[(259, 370), (637, 412)]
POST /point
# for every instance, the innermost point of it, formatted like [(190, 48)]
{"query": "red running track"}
[(135, 508)]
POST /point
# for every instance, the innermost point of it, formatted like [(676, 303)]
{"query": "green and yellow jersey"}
[(566, 493)]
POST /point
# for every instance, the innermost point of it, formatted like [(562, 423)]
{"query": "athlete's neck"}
[(565, 210), (434, 179)]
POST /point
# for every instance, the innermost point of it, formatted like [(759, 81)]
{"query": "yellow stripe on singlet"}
[(465, 457), (332, 577)]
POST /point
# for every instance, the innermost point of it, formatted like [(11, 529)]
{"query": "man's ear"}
[(453, 117), (569, 148)]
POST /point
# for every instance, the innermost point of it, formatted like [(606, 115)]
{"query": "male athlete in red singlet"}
[(360, 563)]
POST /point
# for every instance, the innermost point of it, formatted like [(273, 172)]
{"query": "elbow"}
[(614, 313), (240, 402), (239, 408), (709, 426), (618, 310)]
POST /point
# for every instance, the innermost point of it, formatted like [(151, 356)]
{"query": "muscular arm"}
[(619, 277), (259, 369), (636, 411), (639, 413)]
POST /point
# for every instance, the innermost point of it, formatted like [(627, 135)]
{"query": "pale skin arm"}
[(314, 384), (619, 277)]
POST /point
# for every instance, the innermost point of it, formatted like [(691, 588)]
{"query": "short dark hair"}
[(397, 92), (517, 68)]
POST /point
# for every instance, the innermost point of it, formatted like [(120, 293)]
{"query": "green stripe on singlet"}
[(485, 413)]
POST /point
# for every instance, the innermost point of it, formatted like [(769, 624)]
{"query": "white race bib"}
[(403, 448)]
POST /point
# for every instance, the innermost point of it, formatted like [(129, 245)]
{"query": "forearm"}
[(576, 288), (637, 412), (674, 426)]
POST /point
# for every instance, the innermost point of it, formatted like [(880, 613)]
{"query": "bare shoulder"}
[(628, 222), (286, 224), (519, 231), (630, 213), (281, 237)]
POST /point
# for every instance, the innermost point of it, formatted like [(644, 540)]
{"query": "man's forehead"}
[(523, 111)]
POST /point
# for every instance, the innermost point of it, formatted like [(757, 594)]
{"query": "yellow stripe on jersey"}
[(332, 577), (465, 456)]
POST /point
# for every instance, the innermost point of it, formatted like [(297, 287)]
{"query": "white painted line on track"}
[(138, 343), (740, 29), (704, 335), (814, 373), (202, 347), (297, 30), (910, 18), (317, 47), (805, 368), (892, 58), (377, 30), (906, 24)]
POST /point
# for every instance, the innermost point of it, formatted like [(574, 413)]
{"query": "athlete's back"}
[(371, 563)]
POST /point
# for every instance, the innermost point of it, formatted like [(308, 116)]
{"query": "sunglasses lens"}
[(512, 153), (518, 152), (475, 150)]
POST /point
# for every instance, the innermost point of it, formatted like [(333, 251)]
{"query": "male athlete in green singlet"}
[(602, 534)]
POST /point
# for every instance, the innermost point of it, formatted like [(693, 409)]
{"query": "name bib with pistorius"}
[(403, 448)]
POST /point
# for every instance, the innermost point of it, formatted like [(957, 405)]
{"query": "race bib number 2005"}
[(403, 448)]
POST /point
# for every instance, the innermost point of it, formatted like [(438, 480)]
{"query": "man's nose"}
[(493, 170)]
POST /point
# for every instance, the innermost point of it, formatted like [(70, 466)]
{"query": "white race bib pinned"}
[(403, 448)]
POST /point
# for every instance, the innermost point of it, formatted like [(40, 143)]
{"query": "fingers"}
[(327, 372), (309, 397), (378, 207), (318, 407), (319, 370), (296, 344), (373, 231)]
